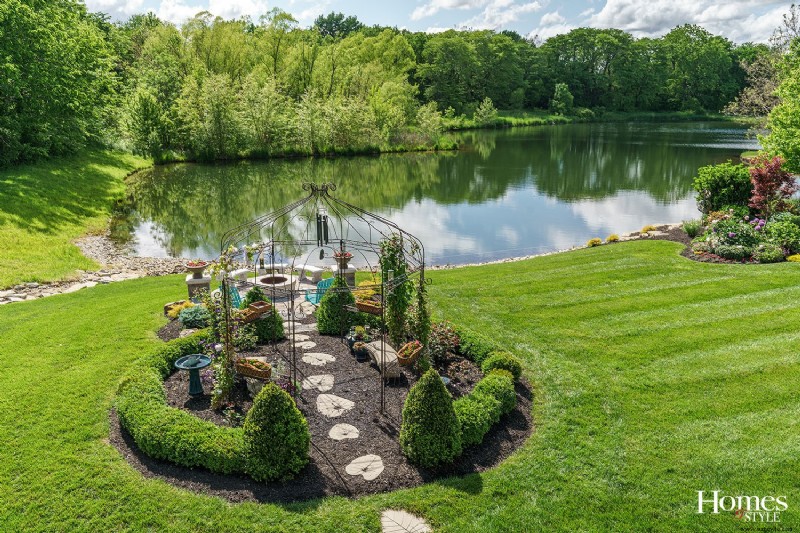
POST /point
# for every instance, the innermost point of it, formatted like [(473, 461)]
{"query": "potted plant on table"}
[(357, 334)]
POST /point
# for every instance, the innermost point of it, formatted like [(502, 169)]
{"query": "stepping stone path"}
[(332, 406), (299, 337), (305, 345), (367, 466), (343, 431), (300, 327), (320, 382), (318, 359), (402, 522)]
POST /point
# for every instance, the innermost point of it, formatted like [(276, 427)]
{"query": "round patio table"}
[(193, 363)]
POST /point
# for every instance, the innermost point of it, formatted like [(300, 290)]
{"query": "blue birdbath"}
[(194, 363)]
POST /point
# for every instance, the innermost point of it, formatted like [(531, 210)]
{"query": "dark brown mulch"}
[(379, 433), (171, 330)]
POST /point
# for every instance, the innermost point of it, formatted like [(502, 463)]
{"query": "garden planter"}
[(260, 307), (407, 354), (360, 351), (367, 306), (196, 268), (253, 369)]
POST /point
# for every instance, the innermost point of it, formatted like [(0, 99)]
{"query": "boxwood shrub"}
[(503, 360), (174, 435), (276, 436), (499, 384), (476, 413), (332, 317), (474, 346), (430, 435)]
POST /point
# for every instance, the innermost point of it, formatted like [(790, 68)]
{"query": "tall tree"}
[(336, 25), (784, 120)]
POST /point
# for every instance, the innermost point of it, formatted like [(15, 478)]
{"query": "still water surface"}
[(506, 193)]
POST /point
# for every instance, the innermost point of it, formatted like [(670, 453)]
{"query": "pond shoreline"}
[(119, 265)]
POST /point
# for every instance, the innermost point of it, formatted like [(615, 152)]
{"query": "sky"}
[(738, 20)]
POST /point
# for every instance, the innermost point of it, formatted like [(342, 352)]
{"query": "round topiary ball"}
[(430, 434), (499, 384), (502, 360), (276, 436)]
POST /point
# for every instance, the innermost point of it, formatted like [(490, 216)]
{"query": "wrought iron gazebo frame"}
[(335, 225)]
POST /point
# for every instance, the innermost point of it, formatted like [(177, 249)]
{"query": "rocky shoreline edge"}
[(119, 265)]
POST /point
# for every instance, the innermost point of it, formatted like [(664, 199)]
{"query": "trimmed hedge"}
[(505, 361), (174, 435), (474, 346), (499, 384), (332, 317), (476, 414), (170, 434)]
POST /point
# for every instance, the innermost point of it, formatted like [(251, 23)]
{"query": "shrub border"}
[(167, 433)]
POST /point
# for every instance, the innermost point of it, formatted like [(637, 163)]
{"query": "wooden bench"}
[(314, 271), (391, 366)]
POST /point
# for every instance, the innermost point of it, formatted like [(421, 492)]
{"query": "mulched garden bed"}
[(379, 433), (676, 234)]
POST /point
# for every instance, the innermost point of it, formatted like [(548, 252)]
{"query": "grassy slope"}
[(655, 377), (45, 206)]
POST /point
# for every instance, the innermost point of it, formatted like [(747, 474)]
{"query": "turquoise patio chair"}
[(236, 298), (315, 296)]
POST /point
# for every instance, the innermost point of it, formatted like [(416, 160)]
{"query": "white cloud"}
[(177, 12), (501, 13), (552, 19), (735, 19), (115, 8), (434, 6)]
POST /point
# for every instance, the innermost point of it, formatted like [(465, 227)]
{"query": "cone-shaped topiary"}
[(430, 434), (332, 318), (276, 437)]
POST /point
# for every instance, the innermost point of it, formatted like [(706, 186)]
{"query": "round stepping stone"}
[(320, 382), (299, 337), (343, 431), (318, 359), (402, 522), (305, 345), (368, 466), (332, 405)]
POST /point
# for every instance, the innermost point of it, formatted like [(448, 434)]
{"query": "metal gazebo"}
[(299, 236)]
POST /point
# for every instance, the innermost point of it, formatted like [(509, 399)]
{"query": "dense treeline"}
[(216, 89)]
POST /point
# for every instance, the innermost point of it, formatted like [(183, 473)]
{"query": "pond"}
[(506, 193)]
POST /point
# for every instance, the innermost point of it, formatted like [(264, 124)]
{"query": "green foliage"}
[(430, 435), (474, 346), (562, 101), (397, 301), (692, 227), (443, 338), (332, 318), (195, 317), (256, 294), (276, 436), (499, 384), (736, 252), (503, 360), (486, 113), (784, 119), (784, 233), (722, 185), (768, 253), (476, 413), (171, 434), (336, 25), (596, 241), (56, 79), (269, 327)]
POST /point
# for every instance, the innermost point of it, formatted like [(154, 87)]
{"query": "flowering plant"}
[(409, 348), (342, 254)]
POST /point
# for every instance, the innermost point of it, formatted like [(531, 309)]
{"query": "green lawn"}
[(654, 377), (45, 206)]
